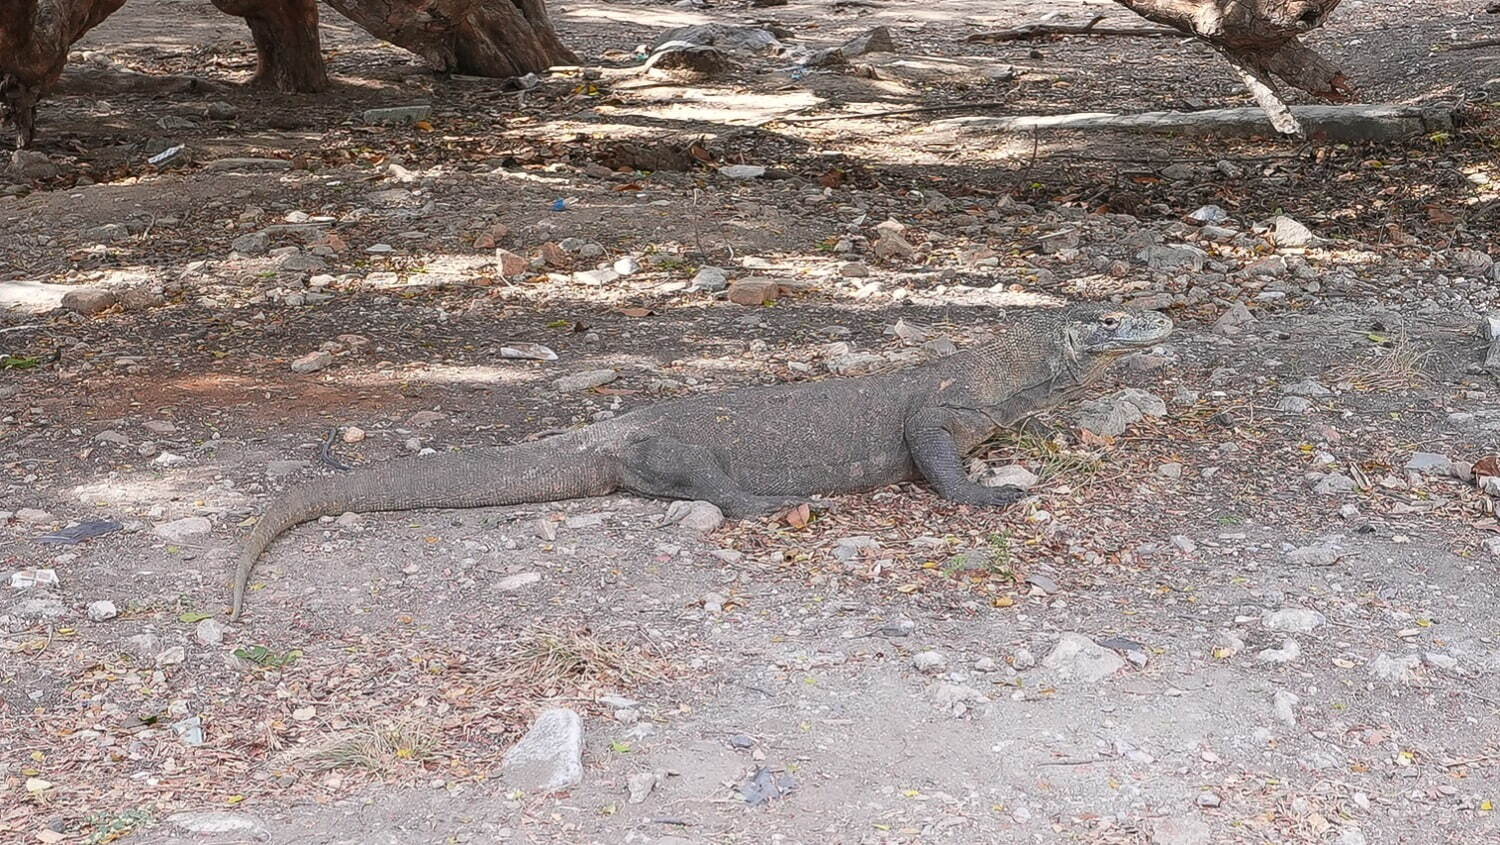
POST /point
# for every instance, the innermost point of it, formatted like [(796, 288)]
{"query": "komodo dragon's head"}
[(1111, 331), (1092, 337)]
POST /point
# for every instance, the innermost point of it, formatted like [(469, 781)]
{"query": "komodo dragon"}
[(757, 449)]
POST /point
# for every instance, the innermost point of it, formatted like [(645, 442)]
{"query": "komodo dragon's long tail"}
[(542, 471)]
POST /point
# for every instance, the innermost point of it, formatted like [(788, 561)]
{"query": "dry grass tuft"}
[(375, 748), (547, 659), (1054, 459), (1394, 367)]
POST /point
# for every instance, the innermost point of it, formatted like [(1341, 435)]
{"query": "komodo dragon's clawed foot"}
[(994, 497)]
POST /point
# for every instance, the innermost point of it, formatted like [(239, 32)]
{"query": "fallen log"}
[(1338, 123), (1031, 31)]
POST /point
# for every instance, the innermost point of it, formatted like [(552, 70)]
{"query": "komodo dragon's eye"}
[(1110, 322)]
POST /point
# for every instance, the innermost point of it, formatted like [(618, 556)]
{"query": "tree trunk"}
[(1259, 39), (1260, 36), (288, 55), (34, 39), (498, 38)]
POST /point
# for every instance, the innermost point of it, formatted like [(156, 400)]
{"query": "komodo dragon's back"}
[(753, 450)]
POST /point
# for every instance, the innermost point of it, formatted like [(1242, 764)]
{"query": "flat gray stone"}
[(1429, 463), (1173, 258), (549, 758), (1296, 620), (585, 380), (397, 114), (1076, 657), (181, 530), (218, 824)]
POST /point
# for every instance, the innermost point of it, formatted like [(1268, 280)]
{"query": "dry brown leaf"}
[(798, 516), (1486, 466)]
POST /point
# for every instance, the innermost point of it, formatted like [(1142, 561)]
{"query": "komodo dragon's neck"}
[(1019, 374)]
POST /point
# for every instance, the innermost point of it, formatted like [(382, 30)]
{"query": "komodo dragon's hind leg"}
[(671, 469)]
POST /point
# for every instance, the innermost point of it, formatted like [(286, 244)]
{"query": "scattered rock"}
[(727, 37), (929, 662), (1326, 553), (1284, 704), (208, 632), (172, 656), (1077, 657), (34, 516), (397, 114), (1429, 463), (1011, 475), (88, 301), (753, 291), (849, 550), (1112, 415), (28, 165), (1180, 830), (1306, 387), (511, 264), (312, 362), (694, 59), (251, 244), (1208, 215), (711, 279), (702, 517), (742, 172), (519, 581), (640, 785), (1335, 483), (549, 758), (1397, 670), (1173, 258), (183, 530), (891, 244), (585, 380), (1234, 320), (1288, 652), (955, 699), (100, 611), (1293, 620), (1289, 233), (240, 825)]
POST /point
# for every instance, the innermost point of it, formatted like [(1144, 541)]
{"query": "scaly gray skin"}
[(754, 450)]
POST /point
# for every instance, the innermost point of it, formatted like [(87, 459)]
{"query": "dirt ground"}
[(1295, 615)]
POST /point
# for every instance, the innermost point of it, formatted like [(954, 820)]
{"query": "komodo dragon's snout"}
[(757, 449)]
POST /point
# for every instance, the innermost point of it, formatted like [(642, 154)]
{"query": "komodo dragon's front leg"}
[(671, 469), (931, 437)]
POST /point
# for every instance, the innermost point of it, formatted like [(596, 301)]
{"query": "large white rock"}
[(1077, 657), (549, 758)]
